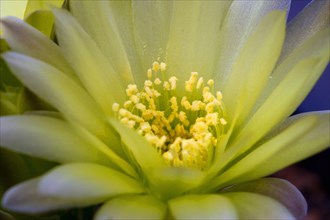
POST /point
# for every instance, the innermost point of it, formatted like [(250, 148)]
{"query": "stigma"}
[(184, 127)]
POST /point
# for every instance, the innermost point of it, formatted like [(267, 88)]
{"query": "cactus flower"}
[(168, 109)]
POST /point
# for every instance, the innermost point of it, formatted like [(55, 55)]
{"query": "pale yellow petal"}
[(258, 207), (254, 64), (97, 20), (151, 29), (240, 22), (48, 138), (59, 90), (26, 198), (193, 37), (122, 20), (137, 148), (278, 189), (25, 39), (302, 136), (132, 207), (313, 19), (279, 105), (87, 183), (209, 206), (86, 58)]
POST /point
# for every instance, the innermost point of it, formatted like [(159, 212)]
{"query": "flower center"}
[(184, 128)]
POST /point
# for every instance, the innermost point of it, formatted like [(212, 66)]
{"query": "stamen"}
[(155, 66), (199, 83), (183, 129), (115, 107), (149, 73), (162, 66)]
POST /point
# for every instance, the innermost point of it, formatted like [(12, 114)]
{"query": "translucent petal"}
[(48, 138), (241, 20), (87, 183), (282, 102), (278, 189), (314, 18), (274, 93), (257, 206), (57, 89), (26, 198), (141, 152), (254, 62), (110, 151), (170, 182), (315, 47), (152, 21), (121, 17), (132, 207), (300, 137), (91, 66), (23, 38), (193, 37), (97, 20), (202, 207)]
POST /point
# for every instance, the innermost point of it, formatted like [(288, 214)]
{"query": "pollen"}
[(184, 128)]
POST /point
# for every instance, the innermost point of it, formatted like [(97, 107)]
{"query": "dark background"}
[(312, 176)]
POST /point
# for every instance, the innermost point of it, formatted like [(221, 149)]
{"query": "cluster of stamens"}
[(184, 129)]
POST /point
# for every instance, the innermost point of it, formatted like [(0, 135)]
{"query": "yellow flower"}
[(169, 109)]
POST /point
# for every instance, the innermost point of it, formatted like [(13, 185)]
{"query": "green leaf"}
[(18, 100), (6, 76), (13, 169)]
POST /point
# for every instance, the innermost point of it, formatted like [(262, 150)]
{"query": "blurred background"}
[(312, 176)]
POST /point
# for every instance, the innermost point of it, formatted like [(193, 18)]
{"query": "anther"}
[(183, 129)]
